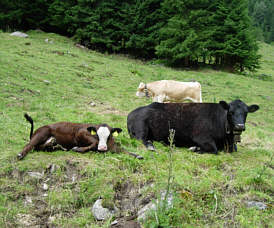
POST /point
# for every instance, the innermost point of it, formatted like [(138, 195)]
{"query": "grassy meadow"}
[(57, 81)]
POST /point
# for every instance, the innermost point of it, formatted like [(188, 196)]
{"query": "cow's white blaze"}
[(103, 134)]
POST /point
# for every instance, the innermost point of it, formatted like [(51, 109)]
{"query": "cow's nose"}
[(239, 127), (102, 148)]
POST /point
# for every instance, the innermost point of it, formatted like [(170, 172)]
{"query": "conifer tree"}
[(209, 31), (146, 18)]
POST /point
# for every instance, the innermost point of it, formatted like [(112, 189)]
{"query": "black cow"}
[(207, 127)]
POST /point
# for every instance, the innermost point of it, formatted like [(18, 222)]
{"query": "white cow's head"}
[(141, 90)]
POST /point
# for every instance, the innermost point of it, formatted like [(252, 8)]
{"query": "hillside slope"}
[(57, 81)]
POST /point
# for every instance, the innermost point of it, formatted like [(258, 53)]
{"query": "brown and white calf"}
[(79, 137), (171, 91)]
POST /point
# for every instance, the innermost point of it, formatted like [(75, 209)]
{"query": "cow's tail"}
[(29, 119)]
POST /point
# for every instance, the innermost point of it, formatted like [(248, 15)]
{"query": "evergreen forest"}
[(182, 33)]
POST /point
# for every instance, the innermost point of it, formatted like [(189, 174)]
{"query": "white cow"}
[(171, 91)]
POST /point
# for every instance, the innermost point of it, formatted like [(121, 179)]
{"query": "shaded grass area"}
[(58, 81)]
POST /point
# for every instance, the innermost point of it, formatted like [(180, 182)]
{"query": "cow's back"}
[(187, 119), (65, 133)]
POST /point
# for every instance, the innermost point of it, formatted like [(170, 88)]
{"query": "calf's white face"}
[(103, 134)]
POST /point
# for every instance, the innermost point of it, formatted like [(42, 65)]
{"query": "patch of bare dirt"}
[(38, 211), (129, 199), (100, 107)]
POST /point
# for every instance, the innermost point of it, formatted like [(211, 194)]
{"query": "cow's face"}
[(105, 136), (237, 113), (141, 90)]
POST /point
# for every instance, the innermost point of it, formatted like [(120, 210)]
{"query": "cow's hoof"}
[(75, 149), (151, 148), (20, 156), (235, 147), (140, 157), (51, 141), (193, 148)]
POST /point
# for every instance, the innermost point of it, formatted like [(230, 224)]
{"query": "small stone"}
[(256, 204), (142, 213), (73, 178), (92, 104), (19, 34), (80, 46), (49, 41), (151, 206), (52, 168), (45, 187), (36, 175), (99, 212), (28, 200), (114, 223), (46, 81), (51, 219)]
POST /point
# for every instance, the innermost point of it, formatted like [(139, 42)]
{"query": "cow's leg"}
[(206, 145), (149, 145), (85, 138), (83, 149), (209, 147), (155, 99), (161, 98), (37, 139), (191, 99), (141, 132), (48, 145)]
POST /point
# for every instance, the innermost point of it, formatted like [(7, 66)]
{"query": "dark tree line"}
[(262, 14), (180, 32)]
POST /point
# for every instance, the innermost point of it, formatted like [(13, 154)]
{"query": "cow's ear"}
[(116, 131), (224, 105), (92, 130), (253, 108)]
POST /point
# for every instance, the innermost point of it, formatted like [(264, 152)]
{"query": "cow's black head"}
[(237, 113)]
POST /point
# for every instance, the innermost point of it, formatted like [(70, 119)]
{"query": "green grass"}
[(79, 76)]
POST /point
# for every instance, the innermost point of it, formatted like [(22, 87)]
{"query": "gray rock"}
[(49, 41), (99, 212), (45, 187), (52, 168), (28, 200), (74, 178), (36, 175), (114, 222), (19, 34), (258, 205), (92, 104), (46, 81), (80, 46), (144, 211)]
